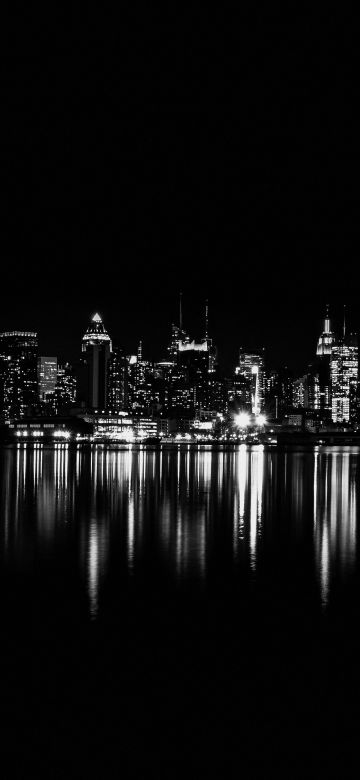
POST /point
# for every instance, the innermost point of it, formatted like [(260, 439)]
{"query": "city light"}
[(61, 434), (242, 420), (126, 397)]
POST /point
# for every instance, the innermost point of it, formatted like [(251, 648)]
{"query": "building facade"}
[(47, 376), (345, 380), (96, 351), (18, 373), (251, 367)]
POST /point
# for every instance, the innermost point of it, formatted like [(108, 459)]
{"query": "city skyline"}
[(64, 341), (186, 389)]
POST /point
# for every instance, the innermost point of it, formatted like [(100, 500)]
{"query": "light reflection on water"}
[(183, 512)]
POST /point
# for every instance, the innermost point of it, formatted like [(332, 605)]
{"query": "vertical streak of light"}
[(352, 517), (253, 507), (179, 542), (334, 499), (239, 503), (202, 545), (255, 501), (17, 494), (93, 569), (188, 470), (77, 466), (178, 469), (161, 469), (345, 516), (315, 486), (325, 565), (260, 479), (131, 532)]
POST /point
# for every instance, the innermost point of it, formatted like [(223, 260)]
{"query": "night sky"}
[(143, 154)]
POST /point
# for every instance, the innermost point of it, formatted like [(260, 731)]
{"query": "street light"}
[(260, 420)]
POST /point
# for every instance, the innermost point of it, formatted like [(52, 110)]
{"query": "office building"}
[(327, 337), (96, 351), (47, 376), (344, 365), (18, 373), (251, 367)]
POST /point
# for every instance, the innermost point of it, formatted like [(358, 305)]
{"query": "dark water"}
[(180, 611)]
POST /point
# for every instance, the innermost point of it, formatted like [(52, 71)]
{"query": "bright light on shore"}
[(260, 420), (242, 420)]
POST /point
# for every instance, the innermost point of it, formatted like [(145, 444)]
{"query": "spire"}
[(180, 311), (327, 327), (96, 333), (206, 319), (327, 337)]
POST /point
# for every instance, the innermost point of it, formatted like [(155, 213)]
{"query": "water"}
[(180, 609)]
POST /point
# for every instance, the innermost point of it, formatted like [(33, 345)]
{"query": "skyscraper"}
[(117, 389), (47, 376), (18, 372), (327, 337), (96, 348), (251, 366), (65, 390), (344, 379)]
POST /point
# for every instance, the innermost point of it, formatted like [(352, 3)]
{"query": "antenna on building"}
[(327, 319), (344, 327), (206, 319), (180, 311)]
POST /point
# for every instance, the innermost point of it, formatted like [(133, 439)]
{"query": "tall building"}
[(117, 387), (251, 367), (345, 379), (18, 372), (96, 349), (65, 390), (327, 337), (47, 376)]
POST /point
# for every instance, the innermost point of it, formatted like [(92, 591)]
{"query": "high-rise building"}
[(117, 388), (65, 390), (18, 372), (251, 366), (96, 349), (47, 376), (327, 337), (345, 379)]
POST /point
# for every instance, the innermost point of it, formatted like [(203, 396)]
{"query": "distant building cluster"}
[(184, 393)]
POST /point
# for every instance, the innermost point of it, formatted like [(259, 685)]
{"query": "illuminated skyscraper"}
[(96, 348), (18, 372), (344, 379), (251, 366), (327, 338), (65, 391), (47, 376), (118, 370)]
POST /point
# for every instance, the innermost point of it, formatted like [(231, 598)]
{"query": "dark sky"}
[(143, 154)]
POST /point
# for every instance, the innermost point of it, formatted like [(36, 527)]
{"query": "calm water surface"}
[(182, 608)]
